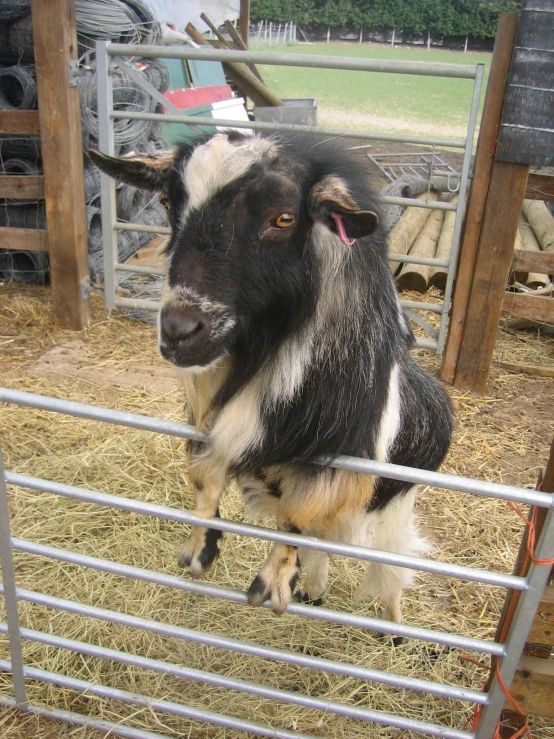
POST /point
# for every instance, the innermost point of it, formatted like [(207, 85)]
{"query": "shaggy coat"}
[(281, 312)]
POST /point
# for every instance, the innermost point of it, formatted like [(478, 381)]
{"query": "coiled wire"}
[(18, 89), (16, 42), (11, 9)]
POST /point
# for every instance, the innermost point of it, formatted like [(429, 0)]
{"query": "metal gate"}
[(110, 55), (505, 655)]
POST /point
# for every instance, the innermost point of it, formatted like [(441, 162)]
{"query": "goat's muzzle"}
[(185, 336)]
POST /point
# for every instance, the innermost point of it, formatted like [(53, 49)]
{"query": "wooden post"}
[(244, 20), (55, 41), (328, 33), (492, 268), (488, 134)]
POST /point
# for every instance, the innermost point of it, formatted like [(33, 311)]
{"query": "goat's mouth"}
[(198, 360)]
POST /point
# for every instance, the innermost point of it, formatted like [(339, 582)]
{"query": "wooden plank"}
[(533, 686), (55, 40), (244, 20), (23, 239), (248, 84), (19, 121), (22, 186), (542, 630), (532, 307), (540, 186), (239, 44), (490, 276), (488, 133), (531, 261)]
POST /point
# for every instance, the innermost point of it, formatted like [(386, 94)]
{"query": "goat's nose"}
[(178, 330)]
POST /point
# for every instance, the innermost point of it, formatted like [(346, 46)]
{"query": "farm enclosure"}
[(503, 436)]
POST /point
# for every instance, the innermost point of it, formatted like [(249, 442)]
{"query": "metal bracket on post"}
[(74, 73)]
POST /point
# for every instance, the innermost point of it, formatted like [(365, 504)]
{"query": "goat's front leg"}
[(202, 547), (277, 578)]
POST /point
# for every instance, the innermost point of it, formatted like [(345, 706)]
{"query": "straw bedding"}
[(503, 436)]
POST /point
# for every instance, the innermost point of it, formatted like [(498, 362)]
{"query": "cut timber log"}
[(529, 243), (416, 276), (541, 222), (407, 228), (539, 371), (249, 85), (439, 275)]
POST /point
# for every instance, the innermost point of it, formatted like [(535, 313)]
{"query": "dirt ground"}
[(502, 436)]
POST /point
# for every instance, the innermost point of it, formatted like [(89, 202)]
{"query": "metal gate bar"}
[(109, 54), (531, 588)]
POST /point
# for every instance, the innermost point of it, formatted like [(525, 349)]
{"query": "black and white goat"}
[(280, 309)]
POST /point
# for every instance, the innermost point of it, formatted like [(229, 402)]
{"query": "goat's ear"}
[(146, 171), (331, 195)]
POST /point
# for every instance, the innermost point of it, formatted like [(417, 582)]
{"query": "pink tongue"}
[(342, 231)]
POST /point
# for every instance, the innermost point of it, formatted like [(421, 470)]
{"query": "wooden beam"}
[(490, 275), (532, 261), (532, 307), (244, 20), (24, 186), (488, 134), (23, 239), (19, 121), (249, 85), (241, 46), (540, 186), (55, 40), (533, 686), (542, 630)]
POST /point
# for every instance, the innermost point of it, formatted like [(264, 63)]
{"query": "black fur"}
[(272, 285)]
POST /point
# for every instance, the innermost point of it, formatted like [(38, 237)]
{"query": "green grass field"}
[(397, 102)]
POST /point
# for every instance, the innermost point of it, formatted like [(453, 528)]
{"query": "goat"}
[(281, 313)]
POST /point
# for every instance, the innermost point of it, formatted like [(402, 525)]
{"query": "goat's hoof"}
[(301, 597), (200, 551), (277, 589)]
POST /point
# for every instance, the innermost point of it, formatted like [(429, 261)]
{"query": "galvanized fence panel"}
[(491, 702), (110, 55)]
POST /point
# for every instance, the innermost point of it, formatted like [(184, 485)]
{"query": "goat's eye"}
[(285, 220)]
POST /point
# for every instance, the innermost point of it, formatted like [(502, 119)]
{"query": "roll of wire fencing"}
[(16, 42), (19, 167), (18, 89), (128, 96), (11, 9), (130, 22)]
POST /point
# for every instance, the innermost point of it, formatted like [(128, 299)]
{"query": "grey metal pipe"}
[(383, 469), (527, 605), (415, 203), (426, 343), (164, 706), (261, 532), (202, 676), (10, 597), (408, 259), (262, 126), (159, 230), (210, 590), (425, 69), (138, 304), (140, 269), (415, 305), (78, 719)]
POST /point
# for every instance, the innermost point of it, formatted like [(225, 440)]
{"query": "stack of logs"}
[(428, 233)]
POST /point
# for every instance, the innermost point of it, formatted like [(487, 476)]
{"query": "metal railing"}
[(508, 652), (110, 54)]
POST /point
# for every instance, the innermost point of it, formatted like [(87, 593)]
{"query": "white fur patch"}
[(390, 420), (259, 503), (238, 427), (391, 529), (217, 163)]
